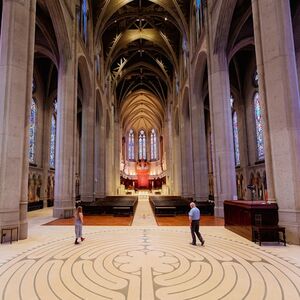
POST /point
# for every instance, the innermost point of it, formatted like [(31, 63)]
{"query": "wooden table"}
[(269, 233)]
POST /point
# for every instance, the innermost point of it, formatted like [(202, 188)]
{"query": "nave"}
[(144, 262)]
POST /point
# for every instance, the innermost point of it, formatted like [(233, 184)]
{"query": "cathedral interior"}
[(102, 101)]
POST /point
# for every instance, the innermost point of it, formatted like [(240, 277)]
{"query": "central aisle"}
[(143, 215)]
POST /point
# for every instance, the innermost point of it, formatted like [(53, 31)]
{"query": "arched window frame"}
[(131, 145), (142, 144), (33, 131), (153, 145), (235, 132), (53, 127)]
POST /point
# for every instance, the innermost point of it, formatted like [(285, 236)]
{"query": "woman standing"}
[(78, 224)]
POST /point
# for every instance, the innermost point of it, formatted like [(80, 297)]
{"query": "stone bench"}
[(269, 233)]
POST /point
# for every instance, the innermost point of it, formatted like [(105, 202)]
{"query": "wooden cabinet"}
[(242, 216)]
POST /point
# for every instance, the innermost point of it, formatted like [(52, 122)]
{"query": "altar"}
[(142, 171)]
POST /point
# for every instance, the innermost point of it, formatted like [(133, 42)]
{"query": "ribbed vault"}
[(141, 110), (141, 42)]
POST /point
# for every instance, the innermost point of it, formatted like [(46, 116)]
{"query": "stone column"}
[(46, 150), (183, 145), (177, 171), (65, 140), (186, 149), (199, 149), (116, 159), (168, 136), (242, 134), (222, 137), (262, 92), (109, 151), (102, 179), (278, 85), (99, 157), (87, 149), (16, 71), (175, 164)]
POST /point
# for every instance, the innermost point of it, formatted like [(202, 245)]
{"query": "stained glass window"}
[(53, 135), (84, 8), (236, 138), (153, 141), (98, 65), (199, 14), (255, 79), (259, 127), (142, 145), (33, 86), (131, 145), (32, 131), (235, 131), (231, 101)]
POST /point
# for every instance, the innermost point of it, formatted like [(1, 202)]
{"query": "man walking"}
[(194, 217)]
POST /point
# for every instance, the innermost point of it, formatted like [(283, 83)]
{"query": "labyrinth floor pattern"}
[(148, 263)]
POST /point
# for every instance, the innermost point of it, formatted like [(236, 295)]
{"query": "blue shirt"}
[(194, 213)]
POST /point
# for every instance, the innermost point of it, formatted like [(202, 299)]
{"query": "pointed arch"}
[(224, 19), (60, 27), (199, 73), (85, 77)]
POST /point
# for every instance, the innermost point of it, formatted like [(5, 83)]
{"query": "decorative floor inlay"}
[(151, 263)]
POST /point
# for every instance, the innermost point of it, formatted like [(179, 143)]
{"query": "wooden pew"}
[(169, 205), (111, 205)]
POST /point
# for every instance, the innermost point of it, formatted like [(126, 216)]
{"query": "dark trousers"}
[(195, 231)]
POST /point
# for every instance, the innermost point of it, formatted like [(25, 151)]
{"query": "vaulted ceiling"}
[(141, 42)]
